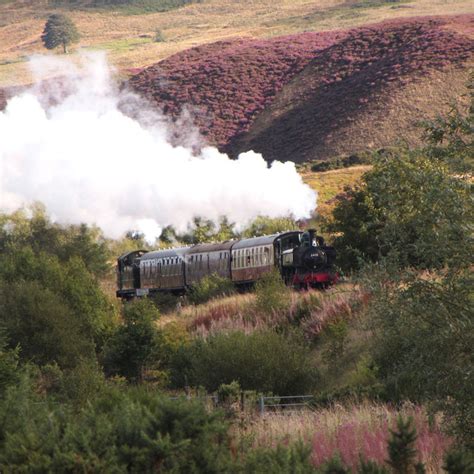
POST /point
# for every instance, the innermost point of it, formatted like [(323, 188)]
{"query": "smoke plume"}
[(94, 154)]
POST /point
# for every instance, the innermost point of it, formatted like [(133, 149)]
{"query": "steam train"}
[(302, 258)]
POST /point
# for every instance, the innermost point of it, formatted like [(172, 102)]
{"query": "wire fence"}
[(291, 402)]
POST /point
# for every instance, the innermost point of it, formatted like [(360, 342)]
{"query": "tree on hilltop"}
[(59, 30)]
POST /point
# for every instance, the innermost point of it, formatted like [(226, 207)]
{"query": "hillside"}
[(300, 80), (315, 95), (129, 38)]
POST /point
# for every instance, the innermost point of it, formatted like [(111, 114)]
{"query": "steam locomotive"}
[(302, 258)]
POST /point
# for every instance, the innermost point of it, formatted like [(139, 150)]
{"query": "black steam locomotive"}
[(302, 258)]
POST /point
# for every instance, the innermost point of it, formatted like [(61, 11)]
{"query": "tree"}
[(409, 207), (59, 31), (134, 345), (414, 205), (423, 339)]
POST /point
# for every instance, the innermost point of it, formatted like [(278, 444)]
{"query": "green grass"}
[(126, 7), (123, 44), (376, 3), (343, 12)]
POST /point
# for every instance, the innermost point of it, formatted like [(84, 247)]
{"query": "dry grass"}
[(312, 310), (350, 430), (392, 117), (21, 23), (330, 184)]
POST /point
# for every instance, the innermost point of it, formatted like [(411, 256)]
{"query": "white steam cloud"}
[(87, 160)]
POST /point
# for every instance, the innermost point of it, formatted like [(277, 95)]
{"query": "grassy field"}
[(349, 430), (330, 184), (129, 39)]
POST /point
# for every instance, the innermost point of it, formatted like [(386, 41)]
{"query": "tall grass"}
[(312, 311), (351, 430)]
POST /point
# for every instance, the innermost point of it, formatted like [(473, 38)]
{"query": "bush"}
[(263, 361), (210, 287), (43, 325), (120, 431), (409, 207), (272, 295), (159, 38), (9, 372), (423, 339), (341, 162), (134, 346), (280, 460)]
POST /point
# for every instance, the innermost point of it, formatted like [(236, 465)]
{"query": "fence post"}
[(262, 405)]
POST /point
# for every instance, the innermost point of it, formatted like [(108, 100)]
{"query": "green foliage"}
[(409, 207), (268, 226), (59, 31), (334, 335), (459, 462), (229, 391), (272, 295), (210, 287), (159, 38), (43, 325), (53, 306), (203, 230), (295, 458), (120, 431), (9, 372), (38, 233), (450, 138), (341, 162), (134, 346), (414, 206), (401, 446), (128, 6), (334, 466), (262, 361), (422, 346), (370, 467)]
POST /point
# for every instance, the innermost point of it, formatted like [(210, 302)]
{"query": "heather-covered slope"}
[(314, 95), (226, 84)]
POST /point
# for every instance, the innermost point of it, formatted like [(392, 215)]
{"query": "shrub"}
[(8, 363), (120, 431), (159, 38), (401, 446), (210, 287), (279, 460), (409, 207), (43, 325), (341, 162), (263, 361), (423, 335), (459, 462), (135, 344), (272, 295)]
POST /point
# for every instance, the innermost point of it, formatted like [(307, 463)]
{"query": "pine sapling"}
[(401, 448)]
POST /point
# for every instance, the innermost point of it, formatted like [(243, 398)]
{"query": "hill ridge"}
[(237, 89)]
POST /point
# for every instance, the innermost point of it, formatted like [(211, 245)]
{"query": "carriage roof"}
[(165, 253), (263, 240)]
